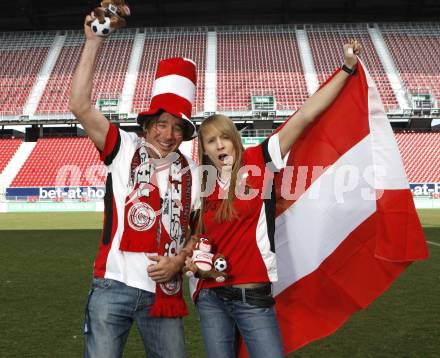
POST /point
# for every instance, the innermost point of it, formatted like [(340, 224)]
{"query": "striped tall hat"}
[(174, 91)]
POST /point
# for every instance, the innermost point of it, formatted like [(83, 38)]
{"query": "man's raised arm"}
[(93, 121)]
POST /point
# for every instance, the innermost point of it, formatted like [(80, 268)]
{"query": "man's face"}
[(166, 134)]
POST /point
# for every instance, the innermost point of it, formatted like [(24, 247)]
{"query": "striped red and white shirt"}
[(247, 241), (127, 267)]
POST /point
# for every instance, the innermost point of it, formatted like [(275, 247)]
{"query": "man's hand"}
[(94, 122), (165, 267), (90, 36)]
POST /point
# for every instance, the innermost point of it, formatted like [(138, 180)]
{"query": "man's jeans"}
[(112, 307), (220, 318)]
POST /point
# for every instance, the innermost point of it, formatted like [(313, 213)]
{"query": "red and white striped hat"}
[(174, 91)]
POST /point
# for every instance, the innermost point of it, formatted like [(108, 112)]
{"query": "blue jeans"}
[(112, 307), (220, 318)]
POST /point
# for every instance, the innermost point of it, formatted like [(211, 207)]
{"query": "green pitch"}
[(46, 265)]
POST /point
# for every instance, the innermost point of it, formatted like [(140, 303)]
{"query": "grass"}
[(51, 221), (46, 266)]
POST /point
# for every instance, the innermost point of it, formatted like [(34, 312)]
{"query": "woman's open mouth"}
[(226, 159), (222, 157)]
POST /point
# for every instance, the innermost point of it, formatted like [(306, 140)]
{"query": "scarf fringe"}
[(175, 309)]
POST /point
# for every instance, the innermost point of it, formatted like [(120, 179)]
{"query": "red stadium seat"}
[(109, 77), (21, 57), (259, 62), (420, 155), (326, 45), (177, 43), (61, 162), (415, 50), (8, 147)]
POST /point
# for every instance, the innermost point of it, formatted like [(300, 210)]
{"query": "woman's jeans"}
[(221, 317), (112, 307)]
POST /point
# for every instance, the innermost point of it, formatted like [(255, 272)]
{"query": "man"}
[(147, 204)]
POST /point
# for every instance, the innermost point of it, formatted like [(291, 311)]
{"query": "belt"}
[(260, 296)]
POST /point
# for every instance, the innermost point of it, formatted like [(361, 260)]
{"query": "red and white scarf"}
[(153, 224)]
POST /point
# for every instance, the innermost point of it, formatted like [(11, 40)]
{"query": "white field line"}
[(433, 243)]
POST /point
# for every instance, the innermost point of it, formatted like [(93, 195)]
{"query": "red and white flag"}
[(346, 224)]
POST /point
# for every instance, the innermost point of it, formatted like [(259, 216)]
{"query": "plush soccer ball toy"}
[(108, 17), (202, 262), (101, 30), (220, 264)]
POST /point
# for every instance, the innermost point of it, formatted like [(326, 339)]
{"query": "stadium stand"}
[(60, 162), (259, 62), (110, 71), (250, 60), (326, 42), (172, 43), (420, 155), (68, 159), (8, 147), (21, 57), (415, 49)]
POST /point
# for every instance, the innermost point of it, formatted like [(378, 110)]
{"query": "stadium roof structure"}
[(23, 15)]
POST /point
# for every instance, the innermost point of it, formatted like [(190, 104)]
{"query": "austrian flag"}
[(346, 226)]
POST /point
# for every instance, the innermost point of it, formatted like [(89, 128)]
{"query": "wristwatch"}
[(350, 71)]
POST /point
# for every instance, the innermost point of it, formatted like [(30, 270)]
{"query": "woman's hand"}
[(318, 102), (351, 50), (190, 265)]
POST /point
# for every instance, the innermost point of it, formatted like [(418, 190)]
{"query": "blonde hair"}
[(225, 126)]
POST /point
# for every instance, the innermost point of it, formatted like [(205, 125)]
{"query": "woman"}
[(238, 217)]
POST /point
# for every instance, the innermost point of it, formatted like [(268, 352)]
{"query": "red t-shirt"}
[(246, 241)]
